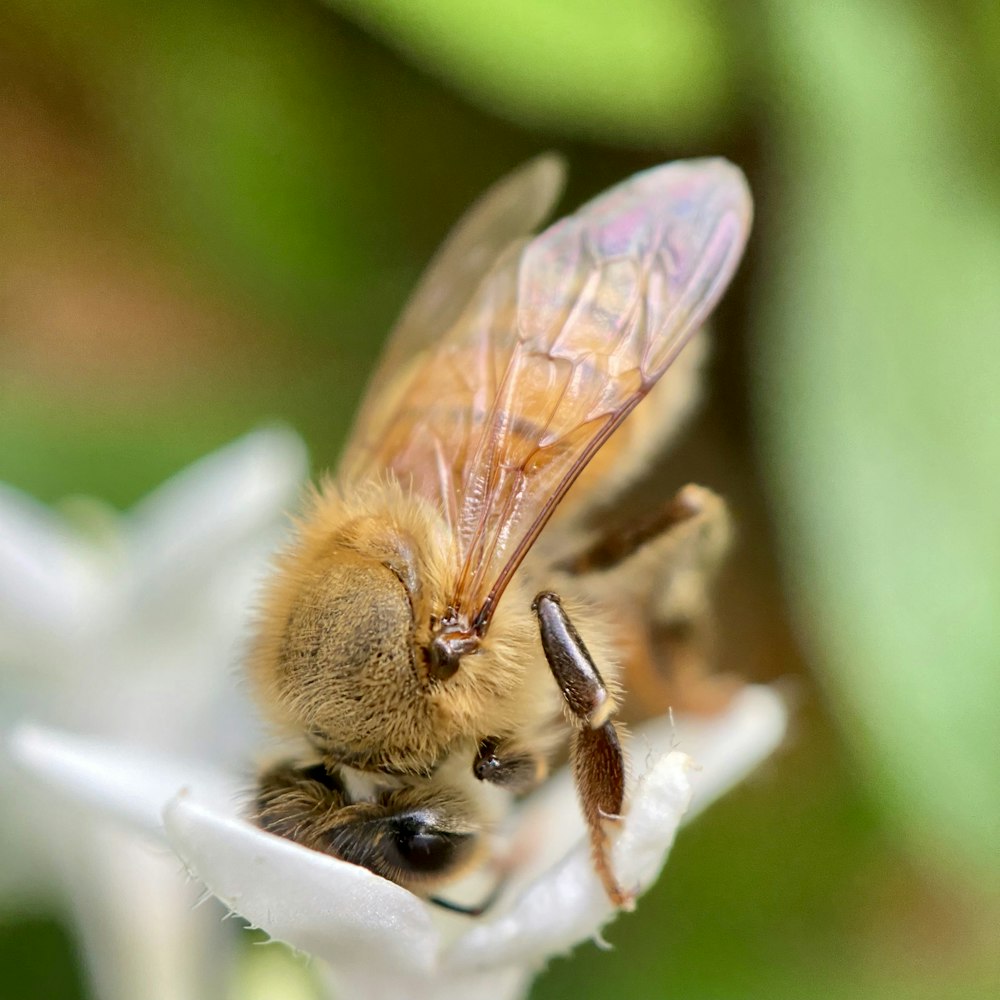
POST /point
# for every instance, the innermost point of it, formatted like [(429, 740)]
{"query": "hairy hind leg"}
[(655, 577)]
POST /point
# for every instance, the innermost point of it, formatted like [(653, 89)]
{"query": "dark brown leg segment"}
[(614, 548), (598, 762), (571, 663), (499, 764)]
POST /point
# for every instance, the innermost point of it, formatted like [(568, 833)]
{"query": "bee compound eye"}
[(418, 847)]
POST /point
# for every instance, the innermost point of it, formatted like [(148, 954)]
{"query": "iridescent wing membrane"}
[(495, 418), (508, 212)]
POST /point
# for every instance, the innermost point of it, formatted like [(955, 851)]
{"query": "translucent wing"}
[(560, 342), (509, 211)]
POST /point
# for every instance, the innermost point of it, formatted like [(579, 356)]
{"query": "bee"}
[(428, 647)]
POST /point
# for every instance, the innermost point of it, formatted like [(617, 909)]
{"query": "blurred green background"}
[(211, 212)]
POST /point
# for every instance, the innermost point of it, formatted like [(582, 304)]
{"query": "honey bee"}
[(426, 644)]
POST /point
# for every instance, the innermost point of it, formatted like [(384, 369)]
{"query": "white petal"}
[(117, 884), (124, 784), (47, 573), (659, 803), (379, 938), (221, 501), (26, 877), (331, 909), (567, 904), (137, 916), (725, 747)]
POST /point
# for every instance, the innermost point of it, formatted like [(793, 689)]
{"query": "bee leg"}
[(409, 839), (693, 524), (679, 619), (597, 758), (599, 775), (300, 803), (500, 764), (657, 576)]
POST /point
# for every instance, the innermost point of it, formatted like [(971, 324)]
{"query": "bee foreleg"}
[(413, 839), (582, 686), (500, 764), (300, 803), (599, 775), (598, 761)]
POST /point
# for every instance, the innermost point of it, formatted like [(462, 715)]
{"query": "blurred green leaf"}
[(270, 971), (878, 398), (634, 71), (38, 960), (261, 150)]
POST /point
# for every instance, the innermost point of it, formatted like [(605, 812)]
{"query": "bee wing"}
[(507, 212), (560, 342)]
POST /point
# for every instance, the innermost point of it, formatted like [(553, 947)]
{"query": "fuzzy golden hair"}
[(344, 624)]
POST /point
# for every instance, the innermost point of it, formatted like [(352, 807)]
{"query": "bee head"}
[(339, 663), (341, 654)]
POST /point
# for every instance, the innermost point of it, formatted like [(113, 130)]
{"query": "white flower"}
[(128, 631), (377, 940), (130, 640)]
